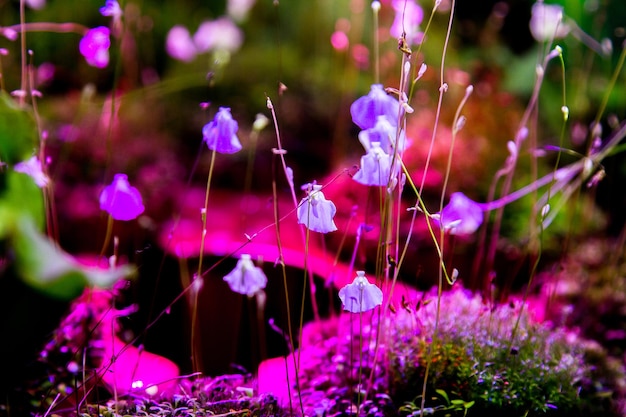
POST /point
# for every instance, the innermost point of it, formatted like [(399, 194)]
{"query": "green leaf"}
[(49, 269), (18, 131), (443, 394)]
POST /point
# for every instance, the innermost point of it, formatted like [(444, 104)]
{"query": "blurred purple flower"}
[(179, 44), (462, 216), (375, 167), (315, 212), (546, 22), (121, 200), (35, 4), (409, 16), (94, 46), (32, 167), (384, 133), (366, 109), (218, 35), (360, 296), (111, 8), (246, 278), (220, 135)]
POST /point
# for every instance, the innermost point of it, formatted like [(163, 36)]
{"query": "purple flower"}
[(365, 110), (246, 278), (315, 212), (546, 22), (32, 167), (111, 8), (384, 133), (121, 200), (375, 167), (179, 44), (360, 296), (220, 135), (94, 46), (461, 216)]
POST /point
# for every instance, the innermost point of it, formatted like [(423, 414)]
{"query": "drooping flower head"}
[(461, 216), (375, 167), (315, 212), (365, 110), (409, 16), (384, 133), (246, 278), (220, 135), (121, 200), (360, 296), (546, 22), (32, 167), (94, 46)]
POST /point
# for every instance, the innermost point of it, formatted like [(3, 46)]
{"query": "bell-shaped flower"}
[(375, 167), (94, 46), (546, 22), (121, 200), (32, 167), (220, 135), (246, 278), (365, 110), (408, 17), (360, 296), (461, 216), (315, 212), (384, 133)]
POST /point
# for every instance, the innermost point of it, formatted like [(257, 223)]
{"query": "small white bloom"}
[(315, 211), (546, 22), (360, 296), (246, 278)]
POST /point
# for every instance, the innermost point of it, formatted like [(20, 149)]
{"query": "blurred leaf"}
[(47, 268), (18, 131), (21, 197)]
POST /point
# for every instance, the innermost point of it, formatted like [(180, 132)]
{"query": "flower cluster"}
[(377, 114), (221, 34)]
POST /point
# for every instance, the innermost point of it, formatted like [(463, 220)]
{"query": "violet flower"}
[(375, 167), (360, 296), (94, 46), (315, 212), (32, 167), (220, 135), (121, 200), (461, 216), (384, 133), (246, 278), (111, 8), (546, 22), (365, 110), (179, 44)]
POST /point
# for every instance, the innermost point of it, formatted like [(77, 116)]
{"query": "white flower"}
[(360, 296), (546, 22), (246, 278), (315, 212)]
